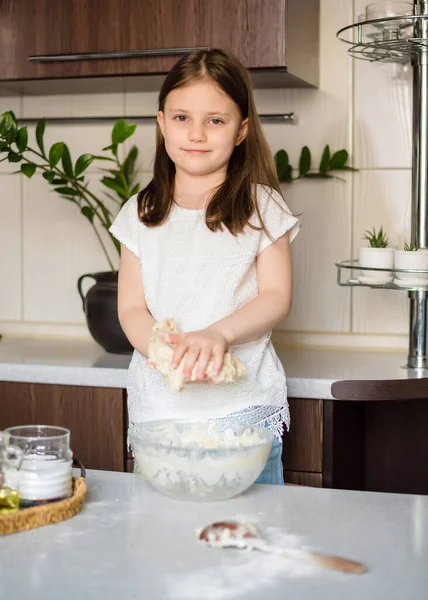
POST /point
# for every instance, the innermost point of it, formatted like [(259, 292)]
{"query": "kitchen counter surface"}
[(310, 372), (131, 542)]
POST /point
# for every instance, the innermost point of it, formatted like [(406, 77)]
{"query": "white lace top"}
[(198, 277)]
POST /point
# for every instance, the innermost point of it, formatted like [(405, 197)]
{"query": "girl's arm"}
[(134, 316), (273, 303), (252, 321)]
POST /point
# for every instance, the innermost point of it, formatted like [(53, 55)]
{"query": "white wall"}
[(45, 244)]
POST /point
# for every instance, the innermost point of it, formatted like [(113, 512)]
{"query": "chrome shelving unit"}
[(404, 39), (344, 267)]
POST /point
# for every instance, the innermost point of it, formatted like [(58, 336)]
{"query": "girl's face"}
[(201, 125)]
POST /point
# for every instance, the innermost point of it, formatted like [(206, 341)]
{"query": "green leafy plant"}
[(410, 247), (376, 239), (328, 164), (68, 178)]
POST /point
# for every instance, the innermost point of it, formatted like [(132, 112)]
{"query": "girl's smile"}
[(196, 152)]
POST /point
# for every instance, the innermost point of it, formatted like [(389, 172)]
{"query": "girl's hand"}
[(199, 346)]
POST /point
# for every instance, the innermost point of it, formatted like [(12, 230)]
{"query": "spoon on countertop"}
[(233, 534)]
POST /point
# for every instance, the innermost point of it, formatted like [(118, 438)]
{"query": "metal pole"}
[(417, 357)]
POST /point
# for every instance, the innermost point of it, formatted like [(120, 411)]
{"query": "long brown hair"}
[(234, 201)]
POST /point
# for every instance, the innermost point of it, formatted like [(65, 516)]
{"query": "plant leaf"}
[(49, 176), (121, 132), (59, 181), (305, 161), (104, 157), (114, 172), (83, 163), (88, 212), (67, 163), (113, 185), (13, 157), (129, 164), (7, 122), (113, 148), (22, 139), (135, 189), (281, 163), (55, 153), (325, 160), (40, 132), (67, 191), (28, 169), (338, 160), (8, 127)]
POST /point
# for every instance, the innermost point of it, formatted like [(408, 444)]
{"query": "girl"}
[(207, 242)]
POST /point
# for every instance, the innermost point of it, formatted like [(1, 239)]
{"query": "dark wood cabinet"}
[(303, 444), (279, 37), (361, 445), (95, 417)]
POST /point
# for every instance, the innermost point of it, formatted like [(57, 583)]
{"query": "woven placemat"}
[(46, 514)]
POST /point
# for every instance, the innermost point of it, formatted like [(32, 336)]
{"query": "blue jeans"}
[(273, 473)]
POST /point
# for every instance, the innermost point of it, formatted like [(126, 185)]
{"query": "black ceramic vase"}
[(100, 308)]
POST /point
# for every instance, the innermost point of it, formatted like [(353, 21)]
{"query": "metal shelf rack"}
[(344, 266), (404, 39)]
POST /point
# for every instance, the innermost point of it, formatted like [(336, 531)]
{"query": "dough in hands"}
[(160, 355)]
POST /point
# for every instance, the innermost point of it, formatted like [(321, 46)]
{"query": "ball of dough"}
[(160, 354)]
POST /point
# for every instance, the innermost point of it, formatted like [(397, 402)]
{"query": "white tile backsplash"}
[(13, 103), (362, 107), (382, 197), (59, 246), (319, 304), (10, 248), (74, 105), (141, 103), (383, 115), (382, 111)]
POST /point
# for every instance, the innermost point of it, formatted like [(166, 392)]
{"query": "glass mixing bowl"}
[(200, 460)]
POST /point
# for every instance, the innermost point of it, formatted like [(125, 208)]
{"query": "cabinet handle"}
[(119, 54)]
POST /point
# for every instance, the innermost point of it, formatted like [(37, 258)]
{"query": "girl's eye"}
[(216, 121), (180, 118)]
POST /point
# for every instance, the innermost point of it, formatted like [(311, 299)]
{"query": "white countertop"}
[(310, 373), (131, 542)]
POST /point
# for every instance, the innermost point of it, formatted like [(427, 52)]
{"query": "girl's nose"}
[(197, 133)]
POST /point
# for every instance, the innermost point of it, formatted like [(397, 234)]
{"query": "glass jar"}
[(45, 474)]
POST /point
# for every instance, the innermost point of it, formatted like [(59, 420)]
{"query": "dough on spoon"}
[(160, 355)]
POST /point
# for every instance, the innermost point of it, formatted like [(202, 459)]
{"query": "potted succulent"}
[(414, 258), (376, 255), (69, 180)]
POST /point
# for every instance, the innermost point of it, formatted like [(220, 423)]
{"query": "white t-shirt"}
[(198, 277)]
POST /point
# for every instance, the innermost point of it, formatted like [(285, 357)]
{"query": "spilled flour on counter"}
[(236, 573)]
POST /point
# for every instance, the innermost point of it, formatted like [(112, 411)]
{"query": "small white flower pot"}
[(376, 258), (412, 260)]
